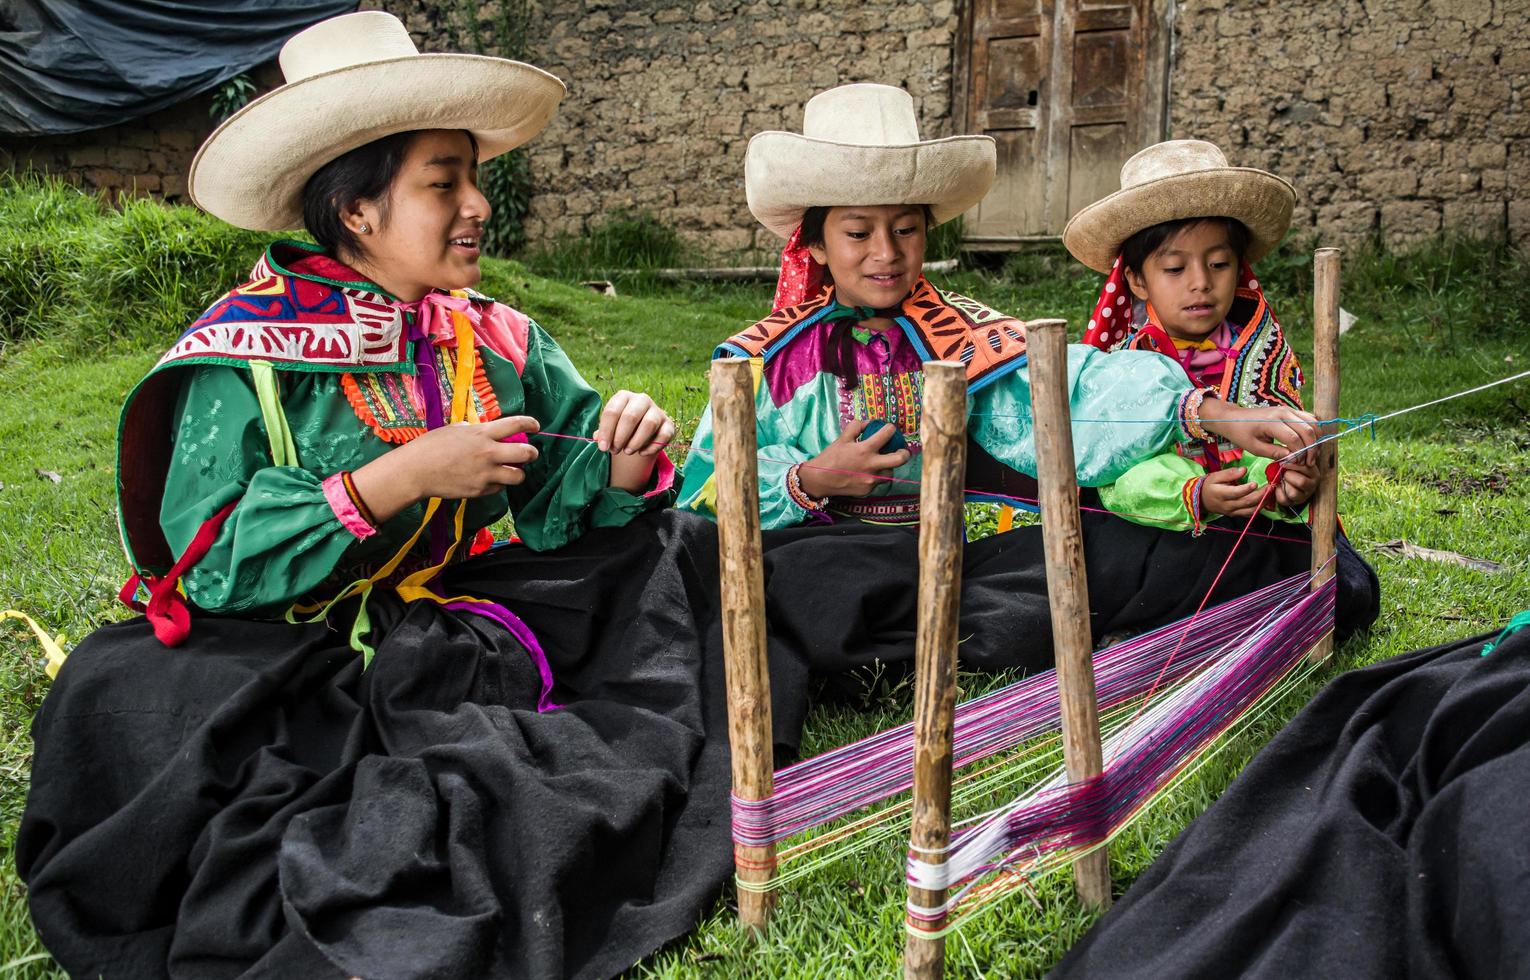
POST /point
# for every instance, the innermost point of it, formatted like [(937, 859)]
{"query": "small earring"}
[(365, 229)]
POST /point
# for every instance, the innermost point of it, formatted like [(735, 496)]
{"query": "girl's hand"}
[(454, 462), (1269, 432), (632, 424), (1224, 493), (851, 468), (1298, 482), (634, 431)]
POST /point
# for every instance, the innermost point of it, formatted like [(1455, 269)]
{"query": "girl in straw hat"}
[(379, 785), (838, 406), (1176, 243), (855, 195)]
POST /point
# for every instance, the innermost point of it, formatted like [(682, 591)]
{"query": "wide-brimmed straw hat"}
[(1176, 180), (351, 80), (860, 145)]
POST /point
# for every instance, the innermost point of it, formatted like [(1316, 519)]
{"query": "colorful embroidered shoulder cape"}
[(1262, 369), (319, 321), (942, 326)]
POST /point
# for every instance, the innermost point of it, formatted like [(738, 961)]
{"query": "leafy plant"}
[(623, 241), (505, 180), (231, 96)]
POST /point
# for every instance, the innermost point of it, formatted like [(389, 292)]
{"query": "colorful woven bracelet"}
[(355, 495), (1190, 414), (798, 495)]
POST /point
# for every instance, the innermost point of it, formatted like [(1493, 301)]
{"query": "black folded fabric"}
[(1385, 833), (255, 803)]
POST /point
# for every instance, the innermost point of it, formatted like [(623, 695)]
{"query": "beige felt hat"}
[(1181, 179), (860, 145), (351, 80)]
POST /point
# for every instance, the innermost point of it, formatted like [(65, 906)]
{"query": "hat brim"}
[(1262, 201), (787, 173), (251, 171)]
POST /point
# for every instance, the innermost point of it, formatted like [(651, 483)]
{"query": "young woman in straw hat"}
[(1176, 244), (379, 785), (838, 406)]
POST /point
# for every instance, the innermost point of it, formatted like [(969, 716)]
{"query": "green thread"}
[(1519, 622)]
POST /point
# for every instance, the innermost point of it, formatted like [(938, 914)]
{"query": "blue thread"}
[(1368, 420)]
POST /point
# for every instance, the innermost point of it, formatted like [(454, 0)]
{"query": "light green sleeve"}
[(1123, 407), (1153, 493), (778, 451)]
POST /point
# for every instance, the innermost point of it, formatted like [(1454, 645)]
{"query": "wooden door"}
[(1068, 89)]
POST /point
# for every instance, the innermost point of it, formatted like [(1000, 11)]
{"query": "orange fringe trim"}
[(398, 435)]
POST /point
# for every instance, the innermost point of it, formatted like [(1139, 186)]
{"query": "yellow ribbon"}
[(52, 646), (415, 585)]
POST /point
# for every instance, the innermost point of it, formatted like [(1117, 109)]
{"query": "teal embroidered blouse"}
[(801, 405)]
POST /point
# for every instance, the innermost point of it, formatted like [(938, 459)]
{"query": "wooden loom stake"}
[(943, 466), (1067, 588), (743, 610), (1324, 508)]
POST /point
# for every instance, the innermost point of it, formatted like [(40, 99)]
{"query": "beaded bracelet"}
[(1190, 414), (798, 495)]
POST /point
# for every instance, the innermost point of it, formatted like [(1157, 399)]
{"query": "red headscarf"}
[(801, 276)]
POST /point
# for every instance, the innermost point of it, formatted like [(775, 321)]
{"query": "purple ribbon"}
[(522, 632), (431, 326)]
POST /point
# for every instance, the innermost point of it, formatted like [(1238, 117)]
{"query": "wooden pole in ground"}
[(1067, 588), (943, 466), (1323, 510), (743, 610)]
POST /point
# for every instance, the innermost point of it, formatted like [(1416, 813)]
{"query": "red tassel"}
[(166, 609)]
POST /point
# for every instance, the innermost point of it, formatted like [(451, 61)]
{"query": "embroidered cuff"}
[(1191, 494), (342, 498)]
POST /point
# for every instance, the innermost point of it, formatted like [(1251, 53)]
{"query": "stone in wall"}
[(1395, 119)]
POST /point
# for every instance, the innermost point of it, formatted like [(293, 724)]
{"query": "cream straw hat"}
[(351, 80), (860, 145), (1175, 180)]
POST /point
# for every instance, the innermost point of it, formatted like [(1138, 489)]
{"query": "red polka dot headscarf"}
[(801, 276), (1118, 315)]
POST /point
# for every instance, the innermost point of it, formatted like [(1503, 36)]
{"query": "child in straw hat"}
[(1177, 242), (378, 787), (838, 404)]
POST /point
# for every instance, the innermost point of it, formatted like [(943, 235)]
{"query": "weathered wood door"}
[(1069, 89)]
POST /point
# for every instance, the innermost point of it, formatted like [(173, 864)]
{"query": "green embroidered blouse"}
[(283, 540)]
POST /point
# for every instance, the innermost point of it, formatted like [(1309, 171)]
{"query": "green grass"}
[(104, 291)]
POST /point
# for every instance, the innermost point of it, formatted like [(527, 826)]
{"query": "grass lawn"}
[(76, 336)]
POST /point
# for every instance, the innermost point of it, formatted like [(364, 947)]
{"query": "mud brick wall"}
[(664, 95), (1394, 118)]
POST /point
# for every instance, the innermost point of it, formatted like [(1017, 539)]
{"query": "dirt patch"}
[(1461, 483)]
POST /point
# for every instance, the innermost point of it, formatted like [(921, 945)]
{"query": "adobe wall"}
[(1394, 118)]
